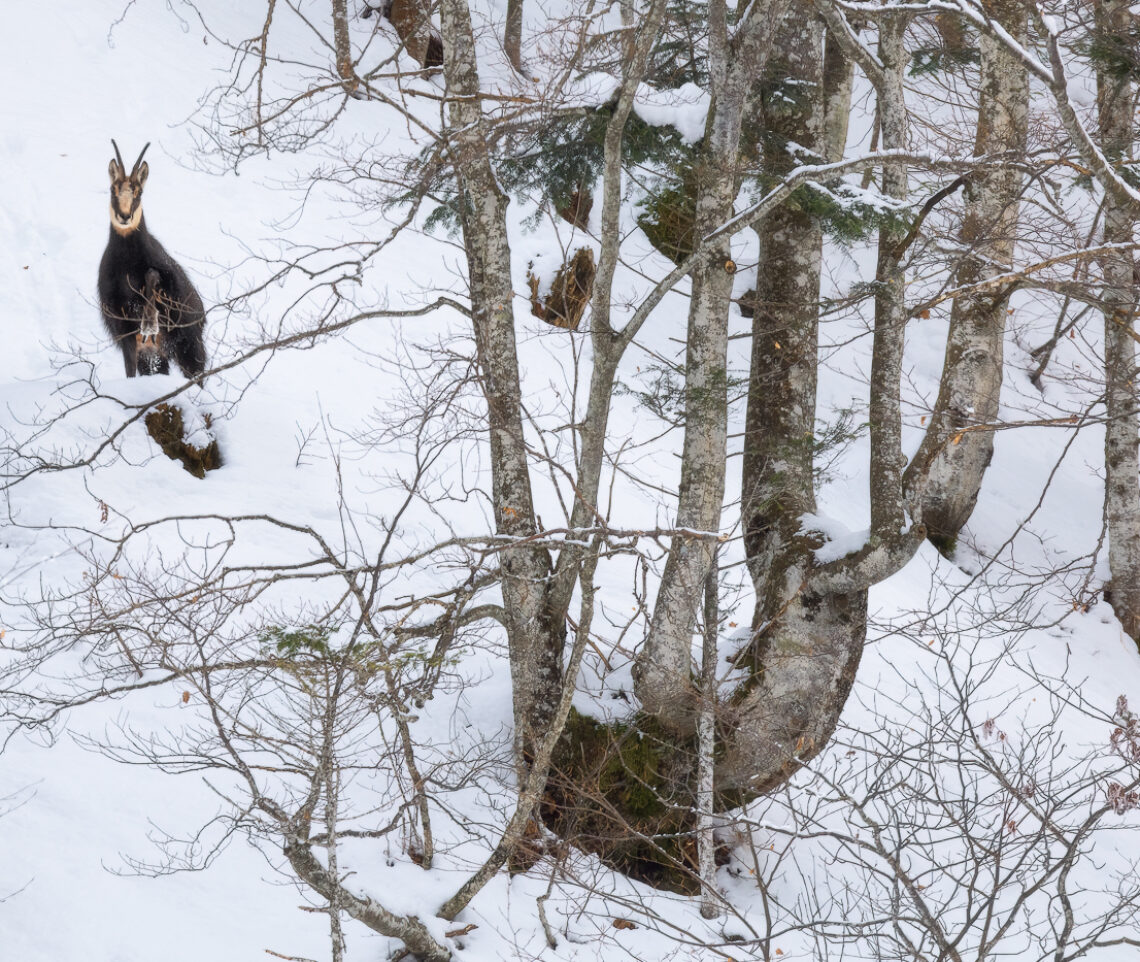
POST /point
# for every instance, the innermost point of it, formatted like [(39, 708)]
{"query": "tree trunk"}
[(1121, 461), (512, 34), (662, 674), (535, 641), (944, 479), (344, 65), (838, 77), (810, 620), (412, 20)]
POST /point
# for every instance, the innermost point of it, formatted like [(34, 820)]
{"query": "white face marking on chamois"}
[(126, 197)]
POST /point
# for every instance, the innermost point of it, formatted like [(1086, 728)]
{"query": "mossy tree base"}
[(165, 425), (626, 792)]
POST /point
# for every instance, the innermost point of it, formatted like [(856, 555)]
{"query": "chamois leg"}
[(188, 351), (130, 353)]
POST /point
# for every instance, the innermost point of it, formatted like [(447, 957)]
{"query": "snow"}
[(839, 541), (308, 437), (684, 108)]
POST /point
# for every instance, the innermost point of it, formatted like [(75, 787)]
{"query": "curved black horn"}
[(134, 169), (119, 156)]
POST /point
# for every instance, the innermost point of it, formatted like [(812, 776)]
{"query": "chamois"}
[(148, 304)]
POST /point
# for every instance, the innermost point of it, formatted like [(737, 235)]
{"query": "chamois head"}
[(126, 191)]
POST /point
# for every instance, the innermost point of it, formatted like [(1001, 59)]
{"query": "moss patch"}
[(625, 792), (946, 544), (164, 424), (670, 217)]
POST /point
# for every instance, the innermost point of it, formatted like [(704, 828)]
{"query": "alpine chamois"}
[(149, 305)]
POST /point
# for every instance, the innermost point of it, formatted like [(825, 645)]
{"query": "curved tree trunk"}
[(811, 619), (946, 474)]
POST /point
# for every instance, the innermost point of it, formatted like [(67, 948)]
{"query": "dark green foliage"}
[(307, 639), (663, 391), (561, 156), (946, 544), (680, 57), (670, 215), (832, 439), (1116, 55), (564, 154), (850, 215), (952, 46), (663, 394), (930, 60)]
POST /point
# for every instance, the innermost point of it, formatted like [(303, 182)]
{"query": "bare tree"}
[(306, 672)]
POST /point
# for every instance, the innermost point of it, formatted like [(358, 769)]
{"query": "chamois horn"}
[(134, 169), (119, 158)]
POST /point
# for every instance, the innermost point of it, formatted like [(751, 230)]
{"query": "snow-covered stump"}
[(565, 303), (185, 434)]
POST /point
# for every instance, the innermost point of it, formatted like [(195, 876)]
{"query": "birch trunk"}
[(1121, 461), (944, 479)]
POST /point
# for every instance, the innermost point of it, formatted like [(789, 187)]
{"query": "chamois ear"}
[(114, 170), (142, 172)]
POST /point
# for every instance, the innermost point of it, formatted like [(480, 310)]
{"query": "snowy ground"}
[(79, 823)]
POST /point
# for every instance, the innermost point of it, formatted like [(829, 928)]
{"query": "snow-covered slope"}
[(78, 847)]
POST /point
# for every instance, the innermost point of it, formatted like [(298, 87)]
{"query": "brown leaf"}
[(623, 924), (185, 697)]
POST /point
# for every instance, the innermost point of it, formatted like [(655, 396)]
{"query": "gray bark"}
[(810, 620), (946, 474), (408, 929), (777, 469), (838, 77), (1121, 438), (344, 67), (888, 511), (512, 33), (706, 751), (534, 638), (608, 345), (662, 673)]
